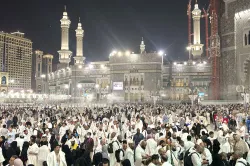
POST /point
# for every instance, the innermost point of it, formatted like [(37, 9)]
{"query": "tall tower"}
[(79, 58), (39, 71), (47, 70), (197, 47), (142, 46), (48, 63), (65, 53)]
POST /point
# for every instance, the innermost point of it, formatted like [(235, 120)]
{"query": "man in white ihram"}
[(56, 158), (32, 151), (116, 146)]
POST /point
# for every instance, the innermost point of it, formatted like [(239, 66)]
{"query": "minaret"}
[(65, 53), (39, 71), (47, 70), (79, 58), (197, 47), (48, 63), (142, 46)]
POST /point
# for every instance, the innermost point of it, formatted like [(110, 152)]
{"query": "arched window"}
[(245, 39), (142, 82), (134, 82), (137, 81), (126, 81), (3, 82)]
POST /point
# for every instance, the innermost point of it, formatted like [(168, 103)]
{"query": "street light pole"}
[(189, 52)]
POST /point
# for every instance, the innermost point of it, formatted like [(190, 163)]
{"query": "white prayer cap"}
[(47, 130), (22, 121), (72, 139), (44, 135)]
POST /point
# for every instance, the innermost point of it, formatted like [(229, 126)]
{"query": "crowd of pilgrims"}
[(125, 135)]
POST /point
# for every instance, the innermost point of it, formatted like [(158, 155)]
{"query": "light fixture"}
[(79, 86), (188, 48), (96, 86), (66, 86), (175, 63), (194, 63), (127, 53), (91, 66), (80, 66), (119, 53), (102, 66), (160, 53), (43, 75), (204, 62), (185, 63)]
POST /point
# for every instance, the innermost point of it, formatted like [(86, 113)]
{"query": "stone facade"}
[(234, 29), (142, 76)]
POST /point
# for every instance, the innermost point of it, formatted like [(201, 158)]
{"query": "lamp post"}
[(189, 52), (97, 86), (192, 96), (66, 89), (79, 86), (162, 54)]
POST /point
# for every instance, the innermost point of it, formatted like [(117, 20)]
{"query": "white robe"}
[(43, 154), (2, 159), (139, 153), (51, 159), (151, 147), (129, 154), (32, 158), (116, 146)]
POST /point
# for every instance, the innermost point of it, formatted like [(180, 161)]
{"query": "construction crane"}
[(205, 15), (189, 14), (215, 49)]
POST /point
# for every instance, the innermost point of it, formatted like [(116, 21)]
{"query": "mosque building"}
[(126, 76)]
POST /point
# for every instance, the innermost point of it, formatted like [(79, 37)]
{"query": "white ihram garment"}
[(51, 159), (32, 158), (139, 153), (151, 147), (43, 154)]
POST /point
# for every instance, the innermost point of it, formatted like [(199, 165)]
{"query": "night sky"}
[(108, 25)]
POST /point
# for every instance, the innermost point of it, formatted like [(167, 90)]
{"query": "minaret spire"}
[(65, 8), (65, 53), (79, 59), (197, 47), (142, 46)]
